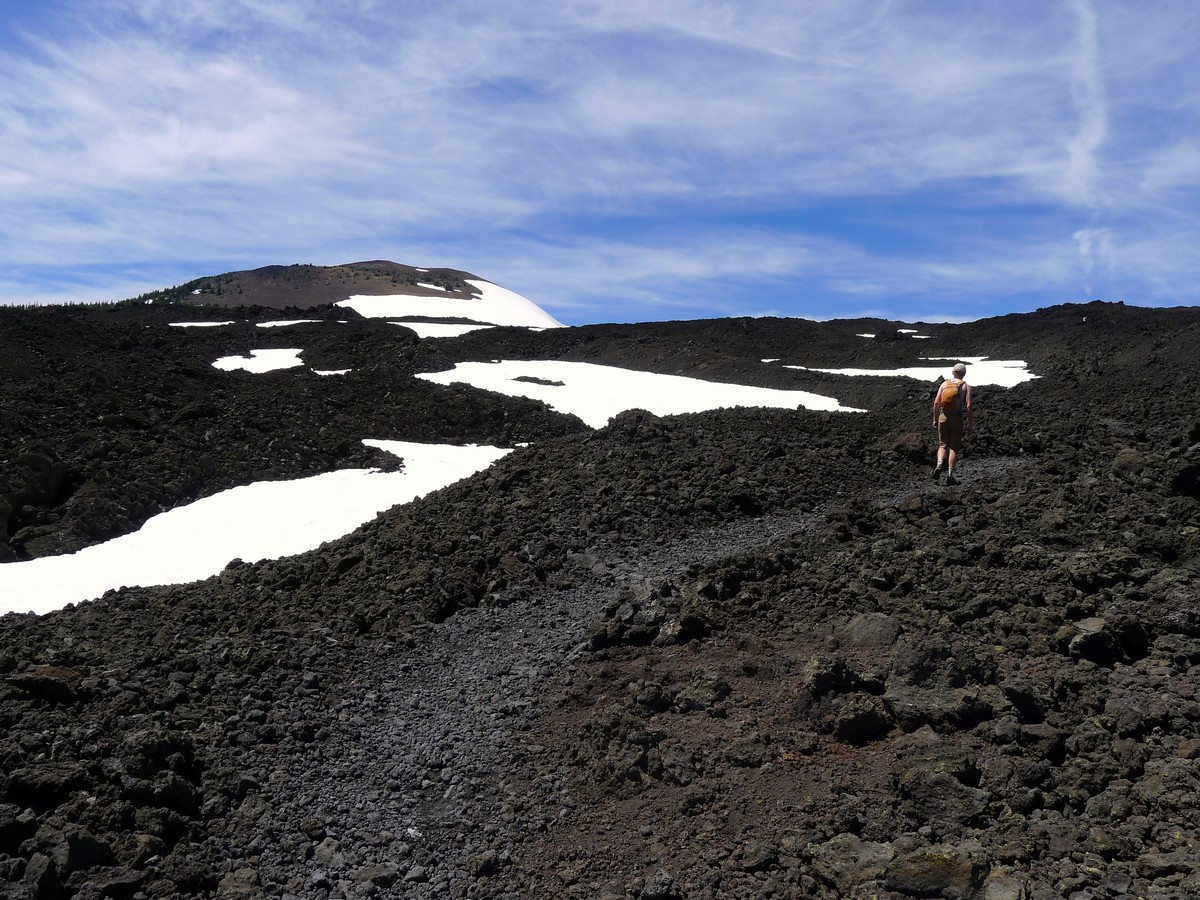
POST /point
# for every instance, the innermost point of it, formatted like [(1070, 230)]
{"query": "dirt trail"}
[(445, 734), (436, 738)]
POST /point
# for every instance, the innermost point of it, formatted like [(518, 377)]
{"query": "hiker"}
[(951, 419)]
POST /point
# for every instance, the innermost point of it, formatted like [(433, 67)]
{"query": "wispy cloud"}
[(631, 141), (1087, 90)]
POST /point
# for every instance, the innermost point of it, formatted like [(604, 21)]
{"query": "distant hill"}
[(302, 286)]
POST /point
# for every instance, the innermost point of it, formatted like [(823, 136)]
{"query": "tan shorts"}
[(950, 433)]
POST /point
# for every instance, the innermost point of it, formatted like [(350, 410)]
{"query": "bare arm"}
[(970, 413), (937, 405)]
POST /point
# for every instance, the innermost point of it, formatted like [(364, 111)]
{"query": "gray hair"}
[(960, 370)]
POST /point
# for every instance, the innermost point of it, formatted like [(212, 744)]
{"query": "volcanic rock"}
[(738, 653)]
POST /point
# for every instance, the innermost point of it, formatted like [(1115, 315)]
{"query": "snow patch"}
[(266, 520), (980, 371), (440, 329), (596, 393), (260, 361), (494, 305)]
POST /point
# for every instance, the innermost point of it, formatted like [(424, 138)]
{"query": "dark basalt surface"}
[(747, 653)]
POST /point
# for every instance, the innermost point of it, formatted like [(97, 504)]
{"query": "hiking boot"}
[(950, 479), (937, 473)]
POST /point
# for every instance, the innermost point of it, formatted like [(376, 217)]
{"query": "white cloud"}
[(614, 278), (839, 109), (1172, 168), (1087, 89), (1095, 248), (699, 275), (254, 132)]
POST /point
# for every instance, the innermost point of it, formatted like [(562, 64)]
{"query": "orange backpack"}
[(950, 401)]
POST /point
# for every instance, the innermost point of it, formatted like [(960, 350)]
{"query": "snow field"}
[(265, 520), (596, 393), (283, 323), (494, 305), (980, 371), (260, 361), (440, 329)]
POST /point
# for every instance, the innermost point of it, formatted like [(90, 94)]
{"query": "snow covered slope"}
[(488, 304)]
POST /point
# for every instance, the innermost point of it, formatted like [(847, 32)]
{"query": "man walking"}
[(951, 420)]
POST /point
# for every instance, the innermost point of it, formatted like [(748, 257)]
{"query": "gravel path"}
[(433, 741)]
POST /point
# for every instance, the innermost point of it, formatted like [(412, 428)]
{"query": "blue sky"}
[(612, 160)]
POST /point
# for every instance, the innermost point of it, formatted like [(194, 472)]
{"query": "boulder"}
[(706, 691), (55, 683), (44, 785), (911, 446), (827, 675), (15, 826), (943, 710), (862, 718), (1128, 462), (1002, 884), (937, 798), (241, 882), (41, 881), (847, 861), (74, 849), (871, 630), (934, 871)]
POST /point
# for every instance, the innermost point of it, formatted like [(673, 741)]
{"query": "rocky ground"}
[(740, 654)]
